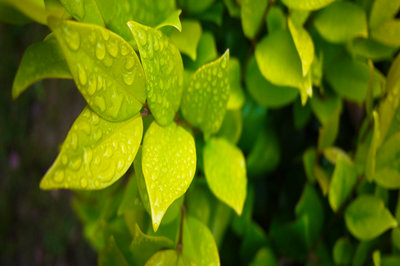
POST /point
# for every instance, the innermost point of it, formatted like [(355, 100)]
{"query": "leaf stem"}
[(179, 246)]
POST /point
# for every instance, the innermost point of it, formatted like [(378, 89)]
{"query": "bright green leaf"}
[(168, 164), (236, 96), (332, 154), (173, 20), (276, 19), (105, 68), (328, 132), (279, 62), (343, 180), (225, 171), (198, 243), (164, 258), (95, 153), (111, 254), (307, 4), (41, 60), (304, 44), (252, 13), (387, 170), (383, 10), (187, 41), (195, 6), (264, 92), (140, 181), (388, 33), (343, 252), (231, 127), (366, 217), (84, 11), (264, 256), (144, 246), (163, 67), (341, 21), (205, 98)]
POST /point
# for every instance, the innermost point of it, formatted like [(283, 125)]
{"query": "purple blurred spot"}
[(14, 160)]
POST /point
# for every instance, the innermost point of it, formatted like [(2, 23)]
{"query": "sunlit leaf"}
[(279, 63), (162, 64), (231, 127), (383, 10), (236, 96), (252, 13), (307, 4), (84, 11), (366, 217), (40, 61), (328, 132), (276, 19), (264, 256), (341, 21), (388, 32), (188, 40), (205, 98), (95, 153), (225, 171), (387, 170), (168, 164), (105, 68), (173, 20), (164, 258)]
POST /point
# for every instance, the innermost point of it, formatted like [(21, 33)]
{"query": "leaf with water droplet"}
[(206, 96), (198, 243), (95, 153), (252, 14), (168, 165), (225, 171), (279, 63), (106, 69), (84, 11), (144, 246), (147, 12), (188, 39), (40, 61), (163, 67)]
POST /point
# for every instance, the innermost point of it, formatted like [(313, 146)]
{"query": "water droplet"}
[(92, 85), (87, 156), (59, 176), (108, 61), (64, 159), (112, 48), (128, 78), (108, 152), (99, 82), (108, 173), (92, 38), (129, 62), (141, 36), (106, 35), (121, 164), (224, 62), (82, 75), (72, 38), (100, 103), (100, 51), (95, 119), (76, 164), (74, 140), (84, 182), (124, 50)]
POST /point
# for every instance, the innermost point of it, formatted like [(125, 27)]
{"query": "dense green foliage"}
[(258, 131)]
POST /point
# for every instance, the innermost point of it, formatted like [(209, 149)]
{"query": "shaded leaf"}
[(236, 96), (252, 13), (276, 19), (84, 11), (111, 254), (231, 127), (388, 33), (328, 132), (264, 256), (371, 49), (383, 10), (187, 41), (343, 251)]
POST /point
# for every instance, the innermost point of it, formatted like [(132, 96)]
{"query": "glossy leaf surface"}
[(163, 67), (105, 68), (205, 98), (225, 171), (95, 153), (84, 11), (40, 61), (168, 164)]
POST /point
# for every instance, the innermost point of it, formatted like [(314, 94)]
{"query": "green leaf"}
[(332, 154), (309, 157), (187, 41), (205, 98), (131, 199), (322, 178), (276, 19), (366, 217), (343, 252), (163, 67), (111, 254), (231, 127), (144, 246), (225, 171), (194, 6), (371, 49), (206, 51), (252, 13), (264, 92), (323, 107), (105, 68), (236, 96), (168, 164), (279, 63), (387, 170), (341, 21), (264, 256), (164, 257), (375, 142), (147, 12), (95, 153), (198, 243), (307, 4), (350, 78), (10, 14), (343, 180), (328, 132), (84, 11), (388, 33), (40, 61), (304, 44), (383, 10), (173, 20), (140, 181)]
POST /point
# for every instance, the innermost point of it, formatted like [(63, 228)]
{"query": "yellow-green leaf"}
[(163, 67), (304, 44), (252, 13), (84, 11), (40, 61), (95, 153), (328, 132), (173, 20), (111, 254), (236, 96), (387, 173), (341, 21), (366, 217), (375, 143), (105, 68), (280, 63), (307, 4), (225, 171), (383, 10), (188, 39), (168, 164), (205, 98), (388, 32)]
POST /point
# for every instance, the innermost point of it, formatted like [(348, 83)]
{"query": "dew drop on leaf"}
[(100, 51)]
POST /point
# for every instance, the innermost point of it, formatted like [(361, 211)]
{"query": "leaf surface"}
[(111, 254), (84, 11), (388, 33), (307, 4), (252, 13), (188, 39), (383, 10)]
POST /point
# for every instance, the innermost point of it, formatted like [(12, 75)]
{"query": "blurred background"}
[(36, 227)]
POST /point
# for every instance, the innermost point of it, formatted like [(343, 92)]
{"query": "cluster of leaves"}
[(178, 116)]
